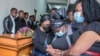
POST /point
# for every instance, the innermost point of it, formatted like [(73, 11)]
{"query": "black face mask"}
[(47, 29)]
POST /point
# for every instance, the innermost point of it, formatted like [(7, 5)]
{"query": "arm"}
[(28, 24), (84, 42), (38, 46), (5, 26)]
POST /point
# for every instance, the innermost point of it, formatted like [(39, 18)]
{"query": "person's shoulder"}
[(94, 26), (37, 29), (7, 17), (36, 32), (17, 18)]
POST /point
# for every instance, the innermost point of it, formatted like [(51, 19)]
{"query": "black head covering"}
[(57, 24), (58, 18), (59, 14), (45, 17)]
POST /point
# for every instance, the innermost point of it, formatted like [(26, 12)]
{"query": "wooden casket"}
[(14, 45)]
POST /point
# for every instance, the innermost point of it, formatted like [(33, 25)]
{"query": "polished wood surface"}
[(15, 46)]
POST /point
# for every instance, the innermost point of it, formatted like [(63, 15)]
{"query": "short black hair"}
[(13, 9), (53, 9), (91, 10), (70, 8), (21, 11), (32, 16), (26, 13)]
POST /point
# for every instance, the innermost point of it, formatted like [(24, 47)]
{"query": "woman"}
[(87, 40), (43, 37), (62, 40), (70, 13), (62, 31)]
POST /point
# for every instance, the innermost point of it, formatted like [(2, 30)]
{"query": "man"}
[(53, 10), (9, 23), (31, 22), (20, 22), (26, 15)]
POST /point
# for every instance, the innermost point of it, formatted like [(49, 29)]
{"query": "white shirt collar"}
[(12, 17)]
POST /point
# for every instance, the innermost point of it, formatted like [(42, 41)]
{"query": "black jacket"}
[(19, 23), (39, 39), (31, 24), (7, 25)]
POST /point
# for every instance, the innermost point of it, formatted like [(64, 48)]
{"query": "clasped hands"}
[(54, 52)]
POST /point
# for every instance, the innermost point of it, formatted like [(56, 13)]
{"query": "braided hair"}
[(91, 10)]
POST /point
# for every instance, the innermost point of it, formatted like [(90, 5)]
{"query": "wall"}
[(56, 1), (60, 1), (26, 5), (98, 1), (72, 1)]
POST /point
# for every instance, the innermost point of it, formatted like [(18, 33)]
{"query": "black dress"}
[(61, 43), (95, 26)]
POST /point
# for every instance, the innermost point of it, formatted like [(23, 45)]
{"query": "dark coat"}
[(7, 25)]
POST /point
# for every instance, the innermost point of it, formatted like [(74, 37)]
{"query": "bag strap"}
[(68, 40), (67, 36)]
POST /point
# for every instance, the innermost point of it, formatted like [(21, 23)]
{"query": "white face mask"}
[(78, 17), (60, 33)]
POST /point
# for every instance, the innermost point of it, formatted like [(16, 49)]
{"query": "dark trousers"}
[(37, 53)]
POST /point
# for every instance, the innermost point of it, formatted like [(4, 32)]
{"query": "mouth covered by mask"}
[(47, 29), (60, 33), (78, 17)]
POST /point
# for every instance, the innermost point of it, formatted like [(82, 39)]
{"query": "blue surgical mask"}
[(60, 33), (78, 17)]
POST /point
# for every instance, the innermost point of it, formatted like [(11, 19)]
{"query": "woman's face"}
[(78, 14), (46, 26), (46, 23), (78, 8), (70, 16)]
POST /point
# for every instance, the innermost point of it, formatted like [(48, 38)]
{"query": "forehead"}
[(21, 13), (46, 22), (79, 7), (14, 11), (70, 13)]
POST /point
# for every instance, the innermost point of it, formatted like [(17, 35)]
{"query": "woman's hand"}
[(51, 50), (50, 47), (58, 52)]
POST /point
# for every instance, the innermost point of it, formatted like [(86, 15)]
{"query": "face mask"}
[(60, 33), (47, 29), (78, 18)]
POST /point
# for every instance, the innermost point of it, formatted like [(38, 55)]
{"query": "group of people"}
[(12, 23), (77, 34)]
